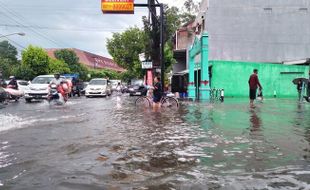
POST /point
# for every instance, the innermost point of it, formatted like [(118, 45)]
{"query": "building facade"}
[(91, 60), (244, 35)]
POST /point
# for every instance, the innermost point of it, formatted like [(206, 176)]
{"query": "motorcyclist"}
[(60, 87), (13, 83)]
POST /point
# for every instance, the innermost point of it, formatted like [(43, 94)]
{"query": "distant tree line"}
[(35, 61)]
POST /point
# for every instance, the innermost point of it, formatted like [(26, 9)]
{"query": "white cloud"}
[(70, 23)]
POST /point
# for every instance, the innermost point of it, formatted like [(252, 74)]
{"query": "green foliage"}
[(58, 66), (125, 48), (191, 7), (23, 72), (5, 67), (8, 58), (105, 73), (36, 59), (72, 60), (8, 51), (68, 56), (127, 76), (169, 59)]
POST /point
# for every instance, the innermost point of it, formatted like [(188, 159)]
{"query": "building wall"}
[(233, 77), (259, 30)]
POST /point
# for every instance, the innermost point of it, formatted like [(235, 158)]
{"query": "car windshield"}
[(42, 80), (23, 83), (98, 82)]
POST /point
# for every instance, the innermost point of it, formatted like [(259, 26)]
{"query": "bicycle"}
[(166, 101)]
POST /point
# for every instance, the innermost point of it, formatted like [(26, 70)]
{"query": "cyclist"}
[(157, 92)]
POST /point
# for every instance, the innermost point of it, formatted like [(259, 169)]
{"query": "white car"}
[(38, 88), (98, 87), (22, 85)]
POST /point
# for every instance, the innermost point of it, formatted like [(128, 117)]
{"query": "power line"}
[(22, 18), (64, 29)]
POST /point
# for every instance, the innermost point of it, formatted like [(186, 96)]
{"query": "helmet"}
[(12, 77)]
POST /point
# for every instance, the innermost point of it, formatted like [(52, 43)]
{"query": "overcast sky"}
[(66, 23)]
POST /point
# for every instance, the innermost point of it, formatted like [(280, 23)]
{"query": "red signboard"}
[(117, 6)]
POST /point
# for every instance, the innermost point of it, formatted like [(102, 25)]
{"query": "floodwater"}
[(109, 144)]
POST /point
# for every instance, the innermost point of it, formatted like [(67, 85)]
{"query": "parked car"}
[(38, 88), (98, 87), (137, 88)]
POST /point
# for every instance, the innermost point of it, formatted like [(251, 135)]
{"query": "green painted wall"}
[(233, 77)]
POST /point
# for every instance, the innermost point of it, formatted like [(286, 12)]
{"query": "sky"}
[(66, 23)]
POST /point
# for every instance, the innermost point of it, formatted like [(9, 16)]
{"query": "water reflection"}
[(113, 145)]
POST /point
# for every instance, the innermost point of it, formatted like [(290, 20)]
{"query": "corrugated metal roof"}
[(91, 60)]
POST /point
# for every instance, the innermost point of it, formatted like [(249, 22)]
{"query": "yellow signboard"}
[(117, 6)]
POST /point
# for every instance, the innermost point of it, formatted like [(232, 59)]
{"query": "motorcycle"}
[(55, 96), (13, 94)]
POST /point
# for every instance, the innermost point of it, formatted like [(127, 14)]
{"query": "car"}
[(137, 88), (38, 88), (22, 85), (98, 87)]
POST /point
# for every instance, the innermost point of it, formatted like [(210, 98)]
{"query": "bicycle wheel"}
[(170, 102), (143, 102)]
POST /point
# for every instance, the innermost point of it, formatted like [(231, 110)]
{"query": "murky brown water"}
[(109, 144)]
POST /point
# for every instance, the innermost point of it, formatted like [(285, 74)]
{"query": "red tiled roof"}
[(91, 60)]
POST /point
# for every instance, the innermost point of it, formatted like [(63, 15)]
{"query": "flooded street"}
[(109, 144)]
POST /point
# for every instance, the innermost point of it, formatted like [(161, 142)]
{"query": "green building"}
[(233, 38)]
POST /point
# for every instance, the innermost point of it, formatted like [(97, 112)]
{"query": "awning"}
[(184, 72)]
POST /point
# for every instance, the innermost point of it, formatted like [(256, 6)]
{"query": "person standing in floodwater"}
[(157, 93), (253, 85)]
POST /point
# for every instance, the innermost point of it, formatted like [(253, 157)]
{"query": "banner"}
[(117, 6)]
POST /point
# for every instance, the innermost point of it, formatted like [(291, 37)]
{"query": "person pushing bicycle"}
[(157, 92)]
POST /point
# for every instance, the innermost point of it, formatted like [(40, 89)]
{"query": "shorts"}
[(156, 99), (252, 94)]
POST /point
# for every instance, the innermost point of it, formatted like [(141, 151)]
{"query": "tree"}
[(191, 7), (72, 60), (8, 51), (23, 72), (105, 73), (68, 56), (8, 58), (125, 49), (5, 67), (58, 66), (36, 59)]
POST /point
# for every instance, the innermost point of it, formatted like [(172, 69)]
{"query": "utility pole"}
[(157, 44)]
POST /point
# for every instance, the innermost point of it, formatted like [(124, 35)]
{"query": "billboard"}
[(117, 6)]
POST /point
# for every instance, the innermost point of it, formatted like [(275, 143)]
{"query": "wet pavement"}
[(109, 144)]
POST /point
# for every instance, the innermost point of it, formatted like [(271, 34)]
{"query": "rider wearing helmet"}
[(62, 85), (13, 83)]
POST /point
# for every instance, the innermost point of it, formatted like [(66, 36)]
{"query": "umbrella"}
[(295, 81)]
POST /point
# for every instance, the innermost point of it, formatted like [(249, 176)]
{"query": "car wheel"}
[(28, 100)]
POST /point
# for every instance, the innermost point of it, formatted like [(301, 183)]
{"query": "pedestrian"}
[(253, 85), (299, 88), (157, 93)]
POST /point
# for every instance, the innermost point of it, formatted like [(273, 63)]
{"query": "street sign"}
[(117, 6), (142, 57), (147, 64)]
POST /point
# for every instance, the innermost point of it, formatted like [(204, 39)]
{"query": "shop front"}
[(199, 85)]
